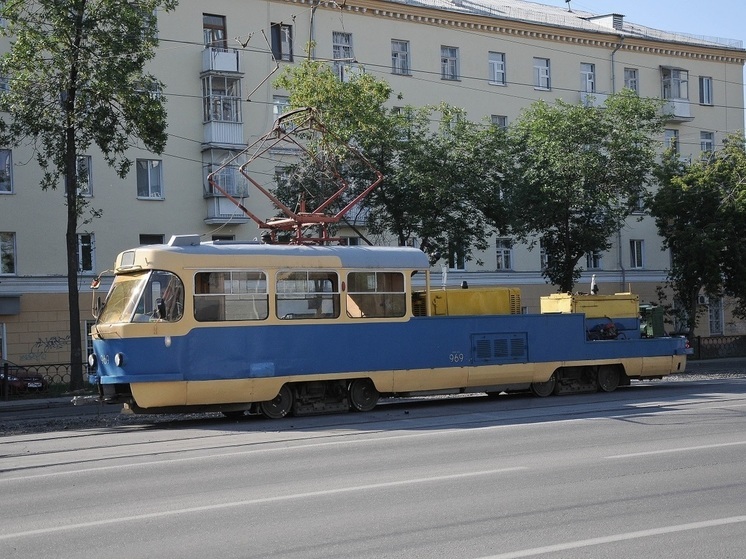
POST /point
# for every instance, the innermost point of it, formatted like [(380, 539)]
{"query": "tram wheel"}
[(363, 394), (279, 406), (608, 378), (544, 389)]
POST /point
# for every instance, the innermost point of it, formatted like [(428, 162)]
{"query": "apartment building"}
[(219, 59)]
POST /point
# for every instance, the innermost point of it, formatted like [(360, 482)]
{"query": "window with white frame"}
[(504, 248), (7, 253), (221, 96), (400, 57), (501, 121), (543, 257), (86, 253), (280, 105), (632, 79), (671, 139), (715, 308), (636, 254), (587, 77), (85, 176), (542, 76), (706, 143), (675, 82), (342, 53), (593, 260), (449, 63), (149, 178), (456, 256), (496, 68), (705, 90), (282, 41), (6, 171)]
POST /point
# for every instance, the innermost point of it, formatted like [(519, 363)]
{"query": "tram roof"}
[(349, 256)]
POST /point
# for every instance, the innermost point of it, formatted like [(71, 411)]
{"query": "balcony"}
[(220, 60), (677, 110), (223, 133), (220, 210), (593, 99)]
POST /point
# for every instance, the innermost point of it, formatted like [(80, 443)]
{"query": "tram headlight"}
[(92, 361), (119, 359)]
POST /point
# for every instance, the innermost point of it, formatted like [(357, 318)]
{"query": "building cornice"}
[(490, 24)]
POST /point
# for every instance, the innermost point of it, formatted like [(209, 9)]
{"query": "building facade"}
[(218, 61)]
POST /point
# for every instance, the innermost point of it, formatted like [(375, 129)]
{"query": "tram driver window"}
[(233, 295), (376, 295), (162, 298), (307, 294)]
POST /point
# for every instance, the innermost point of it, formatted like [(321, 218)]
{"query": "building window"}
[(342, 53), (449, 63), (4, 84), (636, 254), (151, 239), (706, 143), (671, 139), (587, 77), (149, 178), (675, 83), (504, 254), (7, 253), (501, 121), (6, 171), (705, 91), (715, 311), (213, 31), (221, 96), (543, 257), (631, 79), (86, 253), (497, 68), (85, 178), (400, 57), (456, 256), (593, 260), (282, 41), (280, 105), (541, 74)]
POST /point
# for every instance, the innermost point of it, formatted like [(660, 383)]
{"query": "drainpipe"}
[(311, 34)]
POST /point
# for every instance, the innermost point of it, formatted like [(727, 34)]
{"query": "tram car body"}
[(278, 329)]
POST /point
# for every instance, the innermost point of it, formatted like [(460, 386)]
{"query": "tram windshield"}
[(144, 297)]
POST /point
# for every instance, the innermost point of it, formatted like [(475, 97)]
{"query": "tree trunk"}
[(71, 237)]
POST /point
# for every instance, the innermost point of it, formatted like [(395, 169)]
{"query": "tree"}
[(700, 211), (436, 186), (577, 171), (76, 77)]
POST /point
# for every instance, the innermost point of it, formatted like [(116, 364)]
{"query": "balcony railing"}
[(677, 110), (593, 99), (220, 60), (222, 210)]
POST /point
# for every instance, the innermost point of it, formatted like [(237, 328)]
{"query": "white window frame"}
[(675, 83), (497, 74), (150, 170), (715, 316), (636, 254), (542, 74), (632, 79), (6, 171), (501, 121), (221, 97), (504, 253), (587, 77), (706, 143), (8, 257), (593, 260), (86, 253), (449, 63), (400, 57), (282, 41), (85, 169), (342, 53), (671, 139), (705, 91)]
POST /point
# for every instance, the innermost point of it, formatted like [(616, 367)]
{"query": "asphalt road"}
[(654, 470)]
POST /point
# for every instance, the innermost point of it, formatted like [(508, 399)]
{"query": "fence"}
[(714, 347), (34, 381)]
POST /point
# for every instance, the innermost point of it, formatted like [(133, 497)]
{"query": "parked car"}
[(21, 380)]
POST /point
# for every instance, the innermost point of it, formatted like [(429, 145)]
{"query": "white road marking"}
[(618, 538), (674, 450), (250, 502)]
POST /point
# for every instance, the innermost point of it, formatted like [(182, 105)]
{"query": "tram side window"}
[(307, 294), (376, 295), (162, 298), (234, 295)]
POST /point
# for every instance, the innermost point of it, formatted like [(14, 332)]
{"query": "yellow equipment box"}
[(619, 305), (475, 301)]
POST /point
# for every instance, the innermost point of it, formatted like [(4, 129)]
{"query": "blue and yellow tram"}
[(279, 329)]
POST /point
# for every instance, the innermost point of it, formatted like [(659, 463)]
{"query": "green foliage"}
[(76, 78), (700, 212), (577, 171)]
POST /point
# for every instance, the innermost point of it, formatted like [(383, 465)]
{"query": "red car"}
[(21, 380)]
